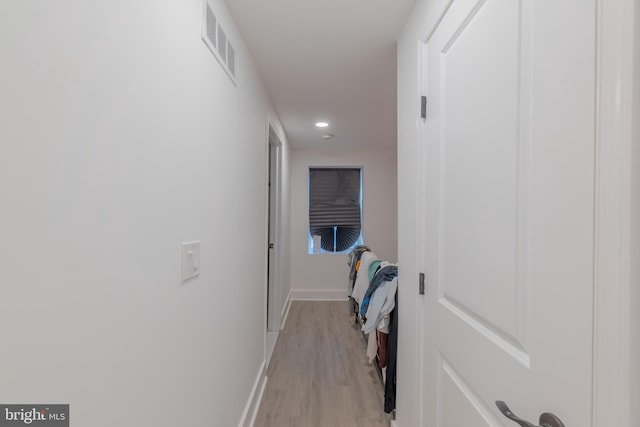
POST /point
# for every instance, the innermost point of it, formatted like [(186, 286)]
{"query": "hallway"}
[(499, 149), (319, 374)]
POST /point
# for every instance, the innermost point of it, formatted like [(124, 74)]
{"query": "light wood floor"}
[(319, 374)]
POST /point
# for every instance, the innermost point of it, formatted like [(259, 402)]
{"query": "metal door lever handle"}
[(507, 413), (546, 420)]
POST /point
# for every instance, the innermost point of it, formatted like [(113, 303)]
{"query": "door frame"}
[(614, 328), (274, 290), (614, 390)]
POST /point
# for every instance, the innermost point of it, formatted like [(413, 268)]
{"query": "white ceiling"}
[(332, 60)]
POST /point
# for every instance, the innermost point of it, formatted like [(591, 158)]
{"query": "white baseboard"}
[(271, 340), (253, 404), (319, 294), (285, 311)]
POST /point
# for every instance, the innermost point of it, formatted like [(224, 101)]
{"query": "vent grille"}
[(231, 58), (211, 24), (216, 40), (222, 45)]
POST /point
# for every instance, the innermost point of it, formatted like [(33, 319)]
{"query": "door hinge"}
[(423, 107), (421, 284)]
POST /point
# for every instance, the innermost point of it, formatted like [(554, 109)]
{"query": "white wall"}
[(120, 138), (324, 276)]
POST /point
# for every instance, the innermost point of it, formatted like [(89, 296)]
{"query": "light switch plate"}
[(190, 260)]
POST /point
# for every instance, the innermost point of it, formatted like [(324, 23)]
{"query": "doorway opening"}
[(274, 290)]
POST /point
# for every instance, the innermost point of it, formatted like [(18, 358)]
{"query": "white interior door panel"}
[(508, 220)]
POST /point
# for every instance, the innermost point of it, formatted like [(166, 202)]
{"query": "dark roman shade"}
[(334, 207)]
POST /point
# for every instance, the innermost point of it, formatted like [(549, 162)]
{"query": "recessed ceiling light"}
[(327, 136), (322, 124)]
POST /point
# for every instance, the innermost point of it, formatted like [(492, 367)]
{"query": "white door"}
[(508, 212)]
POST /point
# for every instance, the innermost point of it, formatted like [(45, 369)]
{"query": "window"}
[(335, 200)]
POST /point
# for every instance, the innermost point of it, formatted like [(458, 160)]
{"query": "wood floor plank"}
[(319, 374)]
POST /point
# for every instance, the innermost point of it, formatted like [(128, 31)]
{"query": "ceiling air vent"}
[(216, 40)]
